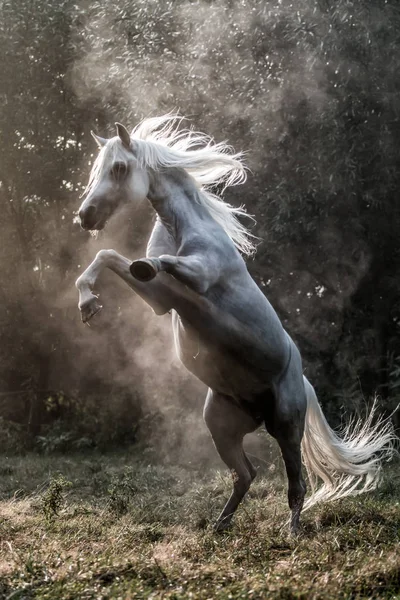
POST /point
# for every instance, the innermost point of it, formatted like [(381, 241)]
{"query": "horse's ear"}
[(124, 135), (99, 140)]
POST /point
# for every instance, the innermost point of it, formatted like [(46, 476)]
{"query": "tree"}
[(311, 92)]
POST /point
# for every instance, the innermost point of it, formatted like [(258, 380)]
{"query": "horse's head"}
[(116, 179)]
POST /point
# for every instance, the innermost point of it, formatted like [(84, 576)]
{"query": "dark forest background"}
[(309, 89)]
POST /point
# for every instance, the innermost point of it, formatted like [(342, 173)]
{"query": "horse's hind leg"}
[(287, 426), (289, 440), (228, 424)]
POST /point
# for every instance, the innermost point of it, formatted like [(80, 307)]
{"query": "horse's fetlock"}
[(296, 497), (241, 482)]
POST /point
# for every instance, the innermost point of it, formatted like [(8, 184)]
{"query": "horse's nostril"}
[(87, 216)]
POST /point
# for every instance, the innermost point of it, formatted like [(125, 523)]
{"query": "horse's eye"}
[(119, 171)]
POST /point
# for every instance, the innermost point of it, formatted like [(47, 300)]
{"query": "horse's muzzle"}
[(90, 219)]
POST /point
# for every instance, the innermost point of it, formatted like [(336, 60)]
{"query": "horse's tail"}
[(348, 464)]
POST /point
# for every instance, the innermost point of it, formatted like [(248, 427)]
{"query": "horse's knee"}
[(241, 481), (105, 254)]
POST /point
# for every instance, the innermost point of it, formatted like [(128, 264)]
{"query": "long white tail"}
[(347, 465)]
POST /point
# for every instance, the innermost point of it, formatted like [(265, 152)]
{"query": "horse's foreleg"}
[(155, 293), (193, 271), (88, 302), (228, 424)]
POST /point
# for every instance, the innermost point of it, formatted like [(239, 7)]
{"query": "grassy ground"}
[(119, 526)]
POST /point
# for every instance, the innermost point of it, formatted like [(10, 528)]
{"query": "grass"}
[(117, 526)]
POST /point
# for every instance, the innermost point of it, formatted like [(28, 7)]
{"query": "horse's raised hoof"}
[(143, 270), (89, 309)]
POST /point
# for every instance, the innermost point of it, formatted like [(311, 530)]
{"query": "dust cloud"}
[(237, 70)]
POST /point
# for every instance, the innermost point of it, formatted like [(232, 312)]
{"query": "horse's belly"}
[(217, 369), (224, 376)]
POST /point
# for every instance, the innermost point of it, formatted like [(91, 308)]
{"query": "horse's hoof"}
[(221, 526), (143, 270), (89, 309), (295, 531)]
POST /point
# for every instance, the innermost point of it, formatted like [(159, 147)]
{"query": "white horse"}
[(226, 332)]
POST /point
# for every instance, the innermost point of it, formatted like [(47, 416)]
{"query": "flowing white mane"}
[(158, 143)]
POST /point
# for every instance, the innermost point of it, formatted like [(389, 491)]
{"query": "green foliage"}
[(52, 499), (310, 89), (61, 441), (12, 436), (394, 374), (121, 492)]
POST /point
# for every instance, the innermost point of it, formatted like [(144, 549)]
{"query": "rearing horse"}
[(226, 332)]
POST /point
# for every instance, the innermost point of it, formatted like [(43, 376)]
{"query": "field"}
[(123, 525)]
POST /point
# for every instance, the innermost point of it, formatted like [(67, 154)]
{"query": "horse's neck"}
[(161, 241), (173, 197)]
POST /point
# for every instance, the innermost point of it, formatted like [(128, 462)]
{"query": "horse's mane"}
[(159, 143)]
